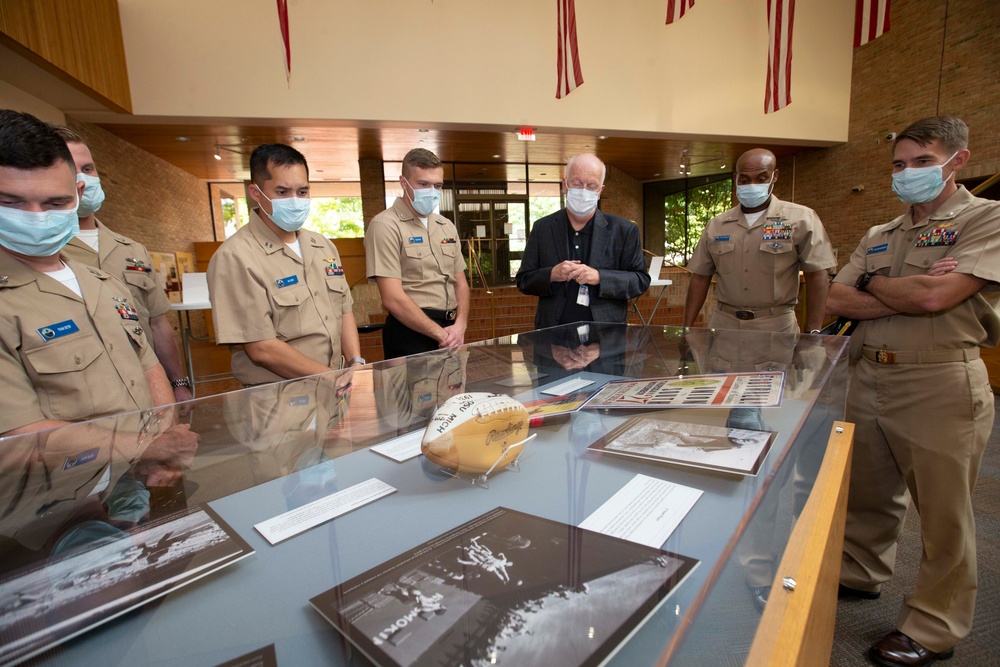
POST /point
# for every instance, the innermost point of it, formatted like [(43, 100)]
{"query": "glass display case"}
[(136, 539)]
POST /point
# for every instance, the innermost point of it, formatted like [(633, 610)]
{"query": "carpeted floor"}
[(862, 623)]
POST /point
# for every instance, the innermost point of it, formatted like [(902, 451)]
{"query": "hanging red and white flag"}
[(871, 20), (283, 25), (676, 9), (780, 18), (568, 72)]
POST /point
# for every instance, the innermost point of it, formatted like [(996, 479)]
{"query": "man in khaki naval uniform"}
[(71, 346), (920, 395), (415, 257), (127, 260), (757, 249), (279, 295)]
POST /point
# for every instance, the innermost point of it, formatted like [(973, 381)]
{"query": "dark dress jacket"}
[(615, 251)]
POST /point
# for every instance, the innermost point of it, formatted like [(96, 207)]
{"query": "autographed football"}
[(475, 431)]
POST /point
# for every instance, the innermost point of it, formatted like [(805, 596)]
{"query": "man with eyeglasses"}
[(583, 264), (756, 250), (415, 256)]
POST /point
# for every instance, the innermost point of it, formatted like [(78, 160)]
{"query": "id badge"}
[(583, 296)]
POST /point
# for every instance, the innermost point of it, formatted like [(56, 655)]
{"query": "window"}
[(687, 211)]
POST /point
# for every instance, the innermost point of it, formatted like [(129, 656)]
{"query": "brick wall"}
[(163, 207), (622, 196), (937, 58)]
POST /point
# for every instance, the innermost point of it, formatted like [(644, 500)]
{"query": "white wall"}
[(14, 98), (491, 62)]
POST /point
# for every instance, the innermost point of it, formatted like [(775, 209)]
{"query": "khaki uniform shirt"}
[(67, 358), (260, 289), (129, 261), (964, 227), (426, 259), (758, 267)]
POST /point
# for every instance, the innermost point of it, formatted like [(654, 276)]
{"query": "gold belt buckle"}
[(885, 356)]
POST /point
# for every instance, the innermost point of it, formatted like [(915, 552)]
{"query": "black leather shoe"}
[(898, 650), (759, 594), (846, 593)]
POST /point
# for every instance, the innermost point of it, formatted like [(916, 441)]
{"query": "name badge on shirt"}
[(287, 281), (722, 238), (80, 459), (416, 239), (583, 296), (57, 330), (876, 249), (297, 401)]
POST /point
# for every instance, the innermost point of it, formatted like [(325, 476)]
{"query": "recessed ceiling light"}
[(298, 138), (657, 174), (182, 139), (423, 129), (496, 156), (542, 173), (318, 171), (232, 171), (602, 137)]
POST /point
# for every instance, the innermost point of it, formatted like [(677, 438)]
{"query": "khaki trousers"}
[(920, 432)]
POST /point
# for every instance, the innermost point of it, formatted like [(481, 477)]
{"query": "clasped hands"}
[(572, 269)]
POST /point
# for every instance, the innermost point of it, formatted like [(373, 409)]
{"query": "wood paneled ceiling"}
[(333, 151)]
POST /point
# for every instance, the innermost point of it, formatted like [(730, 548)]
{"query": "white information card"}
[(308, 516), (646, 510), (400, 449)]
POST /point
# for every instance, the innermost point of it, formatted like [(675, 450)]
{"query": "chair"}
[(655, 266)]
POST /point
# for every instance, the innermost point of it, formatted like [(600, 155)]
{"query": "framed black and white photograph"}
[(103, 572), (505, 588), (721, 448)]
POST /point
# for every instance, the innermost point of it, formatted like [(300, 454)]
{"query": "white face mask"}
[(753, 195), (93, 195), (289, 213), (424, 200), (38, 234), (919, 185), (581, 202)]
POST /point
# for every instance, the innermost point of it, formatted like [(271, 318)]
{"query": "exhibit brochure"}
[(505, 588), (720, 448), (558, 405), (720, 390), (107, 572)]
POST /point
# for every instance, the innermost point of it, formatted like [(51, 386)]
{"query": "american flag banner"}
[(676, 9), (871, 20), (568, 70), (283, 25), (780, 17)]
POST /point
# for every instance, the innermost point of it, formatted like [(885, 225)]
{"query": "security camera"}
[(890, 136)]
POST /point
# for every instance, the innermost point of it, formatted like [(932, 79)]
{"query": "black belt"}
[(448, 315), (757, 312)]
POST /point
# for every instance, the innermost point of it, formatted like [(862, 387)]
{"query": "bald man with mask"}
[(757, 249)]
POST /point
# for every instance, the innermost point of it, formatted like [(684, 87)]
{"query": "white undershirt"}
[(66, 276), (752, 218), (90, 237), (423, 220), (295, 247)]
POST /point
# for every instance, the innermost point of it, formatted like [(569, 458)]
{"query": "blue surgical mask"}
[(93, 195), (753, 195), (37, 234), (919, 185), (289, 213), (581, 202), (425, 200)]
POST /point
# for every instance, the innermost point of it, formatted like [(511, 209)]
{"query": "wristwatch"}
[(815, 331), (181, 382), (863, 281), (356, 360)]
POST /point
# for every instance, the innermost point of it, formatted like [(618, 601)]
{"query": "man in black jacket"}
[(583, 264)]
